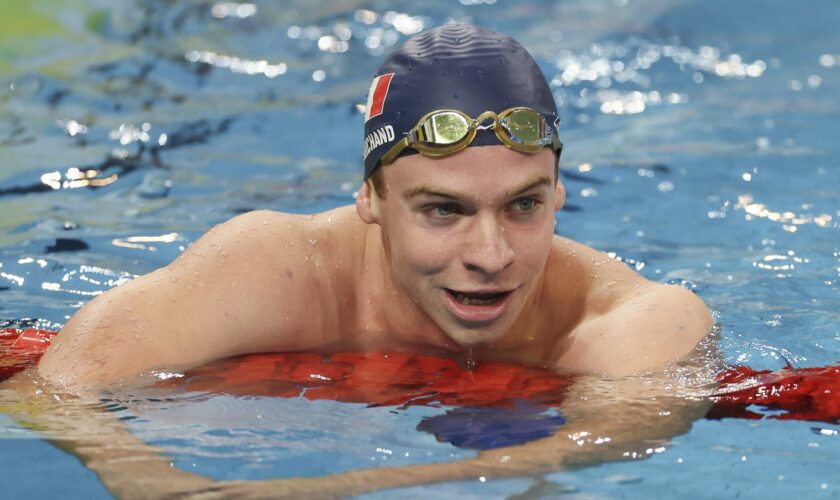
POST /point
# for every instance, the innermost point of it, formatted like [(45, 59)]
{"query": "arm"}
[(248, 285), (627, 324), (80, 425), (608, 419), (651, 326)]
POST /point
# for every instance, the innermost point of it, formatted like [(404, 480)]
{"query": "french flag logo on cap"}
[(377, 94)]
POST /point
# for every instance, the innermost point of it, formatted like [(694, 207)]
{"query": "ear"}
[(561, 195), (367, 204)]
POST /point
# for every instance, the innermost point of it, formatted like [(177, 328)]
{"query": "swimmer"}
[(449, 250)]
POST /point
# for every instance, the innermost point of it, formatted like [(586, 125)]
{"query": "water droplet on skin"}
[(470, 362)]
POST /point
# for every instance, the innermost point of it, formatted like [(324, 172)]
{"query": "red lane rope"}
[(21, 348), (404, 379)]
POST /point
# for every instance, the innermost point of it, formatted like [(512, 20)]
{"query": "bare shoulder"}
[(286, 257), (629, 323), (258, 282), (600, 267), (266, 238), (257, 230), (305, 262)]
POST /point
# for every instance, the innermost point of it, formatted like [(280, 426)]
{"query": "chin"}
[(467, 337)]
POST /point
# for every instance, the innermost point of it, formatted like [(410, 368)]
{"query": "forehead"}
[(479, 172)]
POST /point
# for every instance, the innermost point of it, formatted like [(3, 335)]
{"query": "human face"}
[(467, 236)]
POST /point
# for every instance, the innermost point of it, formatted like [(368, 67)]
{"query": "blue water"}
[(700, 147)]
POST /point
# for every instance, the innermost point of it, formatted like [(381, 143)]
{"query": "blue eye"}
[(526, 204), (445, 210)]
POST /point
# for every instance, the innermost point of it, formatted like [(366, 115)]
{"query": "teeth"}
[(470, 301)]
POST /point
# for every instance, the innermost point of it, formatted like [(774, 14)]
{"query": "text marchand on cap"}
[(378, 137)]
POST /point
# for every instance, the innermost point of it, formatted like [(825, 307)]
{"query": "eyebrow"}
[(529, 185), (428, 190)]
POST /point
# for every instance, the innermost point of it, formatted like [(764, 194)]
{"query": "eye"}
[(526, 204), (443, 210)]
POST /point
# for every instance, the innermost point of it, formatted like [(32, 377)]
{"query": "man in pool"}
[(450, 249)]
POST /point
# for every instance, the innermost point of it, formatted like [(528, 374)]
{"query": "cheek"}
[(532, 247), (420, 252)]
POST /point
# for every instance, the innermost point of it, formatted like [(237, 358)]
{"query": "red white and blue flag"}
[(377, 94)]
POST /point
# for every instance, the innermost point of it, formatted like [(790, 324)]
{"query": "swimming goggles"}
[(447, 131)]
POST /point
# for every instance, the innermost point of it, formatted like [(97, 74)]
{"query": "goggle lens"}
[(444, 128), (525, 126)]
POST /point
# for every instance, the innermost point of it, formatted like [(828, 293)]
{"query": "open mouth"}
[(477, 308), (477, 298)]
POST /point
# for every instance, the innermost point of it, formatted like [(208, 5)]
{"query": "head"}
[(466, 233)]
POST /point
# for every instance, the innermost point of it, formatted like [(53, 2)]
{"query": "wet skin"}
[(459, 255), (467, 237)]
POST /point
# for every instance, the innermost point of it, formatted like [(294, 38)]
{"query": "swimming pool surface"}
[(700, 147)]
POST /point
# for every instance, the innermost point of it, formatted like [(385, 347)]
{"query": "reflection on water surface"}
[(700, 149)]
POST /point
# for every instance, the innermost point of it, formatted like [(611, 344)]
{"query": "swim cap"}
[(454, 66)]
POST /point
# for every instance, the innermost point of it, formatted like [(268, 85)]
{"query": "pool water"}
[(700, 147)]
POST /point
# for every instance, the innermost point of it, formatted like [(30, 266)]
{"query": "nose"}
[(488, 250)]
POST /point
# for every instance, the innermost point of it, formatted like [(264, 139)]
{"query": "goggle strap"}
[(391, 155)]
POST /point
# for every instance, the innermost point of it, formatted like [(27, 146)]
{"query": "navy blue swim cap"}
[(454, 66)]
